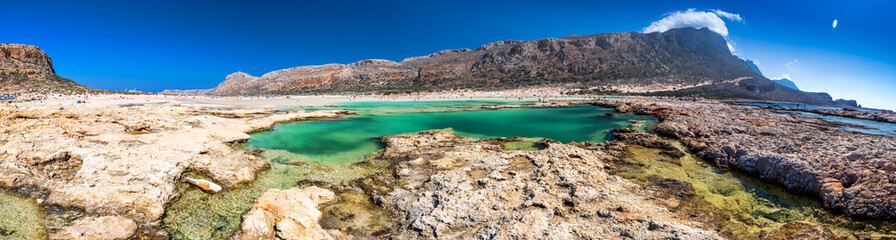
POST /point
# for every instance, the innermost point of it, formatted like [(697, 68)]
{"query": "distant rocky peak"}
[(27, 54), (239, 77), (786, 81), (28, 68)]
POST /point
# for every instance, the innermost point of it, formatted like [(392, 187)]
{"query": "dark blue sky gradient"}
[(155, 45)]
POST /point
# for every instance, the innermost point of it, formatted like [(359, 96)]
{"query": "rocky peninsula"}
[(880, 116)]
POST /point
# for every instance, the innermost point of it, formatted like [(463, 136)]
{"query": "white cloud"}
[(697, 19), (791, 63), (730, 16), (835, 23), (689, 18)]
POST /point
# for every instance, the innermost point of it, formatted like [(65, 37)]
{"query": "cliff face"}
[(26, 67), (672, 60)]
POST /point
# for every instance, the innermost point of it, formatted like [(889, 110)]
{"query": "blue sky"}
[(156, 45)]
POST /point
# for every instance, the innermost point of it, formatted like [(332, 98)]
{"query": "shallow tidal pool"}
[(324, 153), (348, 140)]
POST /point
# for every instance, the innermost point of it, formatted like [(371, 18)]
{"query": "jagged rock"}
[(851, 172), (451, 187), (97, 228), (287, 214)]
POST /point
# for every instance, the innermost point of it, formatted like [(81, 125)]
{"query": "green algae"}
[(738, 205), (197, 214), (524, 144), (20, 217)]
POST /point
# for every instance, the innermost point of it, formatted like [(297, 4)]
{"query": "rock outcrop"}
[(449, 187), (851, 172), (26, 67), (629, 62), (125, 161), (290, 214)]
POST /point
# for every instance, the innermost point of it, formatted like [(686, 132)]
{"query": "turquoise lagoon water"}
[(348, 140)]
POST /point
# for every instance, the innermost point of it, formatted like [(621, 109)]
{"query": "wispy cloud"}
[(791, 63), (730, 16)]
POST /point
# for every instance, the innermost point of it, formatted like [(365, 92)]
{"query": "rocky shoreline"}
[(120, 168), (850, 172), (122, 163), (547, 104), (887, 117)]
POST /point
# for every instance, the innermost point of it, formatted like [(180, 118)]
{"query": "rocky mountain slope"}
[(786, 82), (28, 68), (630, 62)]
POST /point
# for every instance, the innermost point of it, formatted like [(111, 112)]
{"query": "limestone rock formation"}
[(850, 172), (26, 67), (290, 214), (125, 161), (449, 187)]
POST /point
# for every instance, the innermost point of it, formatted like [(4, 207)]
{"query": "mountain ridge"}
[(639, 63)]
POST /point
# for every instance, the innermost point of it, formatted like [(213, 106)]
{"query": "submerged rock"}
[(800, 230), (287, 214), (450, 187), (107, 227)]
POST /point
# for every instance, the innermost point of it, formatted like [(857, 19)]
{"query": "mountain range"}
[(678, 62)]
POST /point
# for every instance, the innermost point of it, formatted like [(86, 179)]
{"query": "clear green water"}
[(349, 140), (322, 151), (20, 218), (740, 206)]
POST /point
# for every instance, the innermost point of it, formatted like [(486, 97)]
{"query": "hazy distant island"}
[(663, 135)]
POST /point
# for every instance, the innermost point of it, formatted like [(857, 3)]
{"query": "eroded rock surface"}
[(96, 228), (287, 214), (125, 161), (851, 172), (449, 187)]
